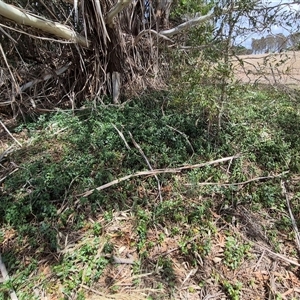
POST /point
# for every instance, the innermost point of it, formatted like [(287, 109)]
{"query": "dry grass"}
[(261, 273)]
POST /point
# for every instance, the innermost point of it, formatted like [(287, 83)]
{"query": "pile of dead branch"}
[(39, 72)]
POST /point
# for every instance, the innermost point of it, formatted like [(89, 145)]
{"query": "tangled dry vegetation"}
[(39, 73)]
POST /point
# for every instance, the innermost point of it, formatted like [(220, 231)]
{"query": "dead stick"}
[(5, 276), (9, 69), (119, 260), (122, 136), (238, 183), (148, 163), (277, 255), (6, 152), (285, 194), (13, 171), (10, 134), (157, 171), (184, 135), (262, 248)]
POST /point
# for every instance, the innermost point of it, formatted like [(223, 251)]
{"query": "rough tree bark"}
[(26, 18)]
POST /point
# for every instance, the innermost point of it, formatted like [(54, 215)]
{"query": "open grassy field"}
[(152, 200), (275, 69)]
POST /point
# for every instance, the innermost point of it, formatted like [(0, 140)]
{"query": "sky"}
[(246, 41)]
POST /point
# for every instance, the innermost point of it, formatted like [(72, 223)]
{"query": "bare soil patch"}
[(275, 68)]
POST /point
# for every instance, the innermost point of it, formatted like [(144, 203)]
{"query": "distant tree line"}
[(275, 43)]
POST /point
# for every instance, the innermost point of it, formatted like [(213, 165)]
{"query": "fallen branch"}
[(23, 17), (263, 248), (148, 163), (296, 230), (158, 171), (185, 136), (6, 152), (142, 33), (13, 171), (124, 261), (42, 38), (5, 128), (238, 183), (122, 136), (276, 255), (44, 78), (118, 7), (5, 276)]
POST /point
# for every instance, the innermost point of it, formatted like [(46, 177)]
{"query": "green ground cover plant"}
[(66, 242)]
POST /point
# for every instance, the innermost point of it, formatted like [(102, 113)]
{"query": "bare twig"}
[(185, 136), (15, 88), (5, 276), (119, 260), (148, 163), (118, 7), (122, 136), (157, 171), (5, 128), (6, 152), (274, 255), (139, 36), (272, 285), (191, 23), (259, 261), (286, 195), (44, 78), (8, 35), (191, 273), (7, 64), (13, 171), (239, 183)]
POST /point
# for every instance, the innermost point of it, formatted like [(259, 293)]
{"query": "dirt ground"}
[(273, 68)]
